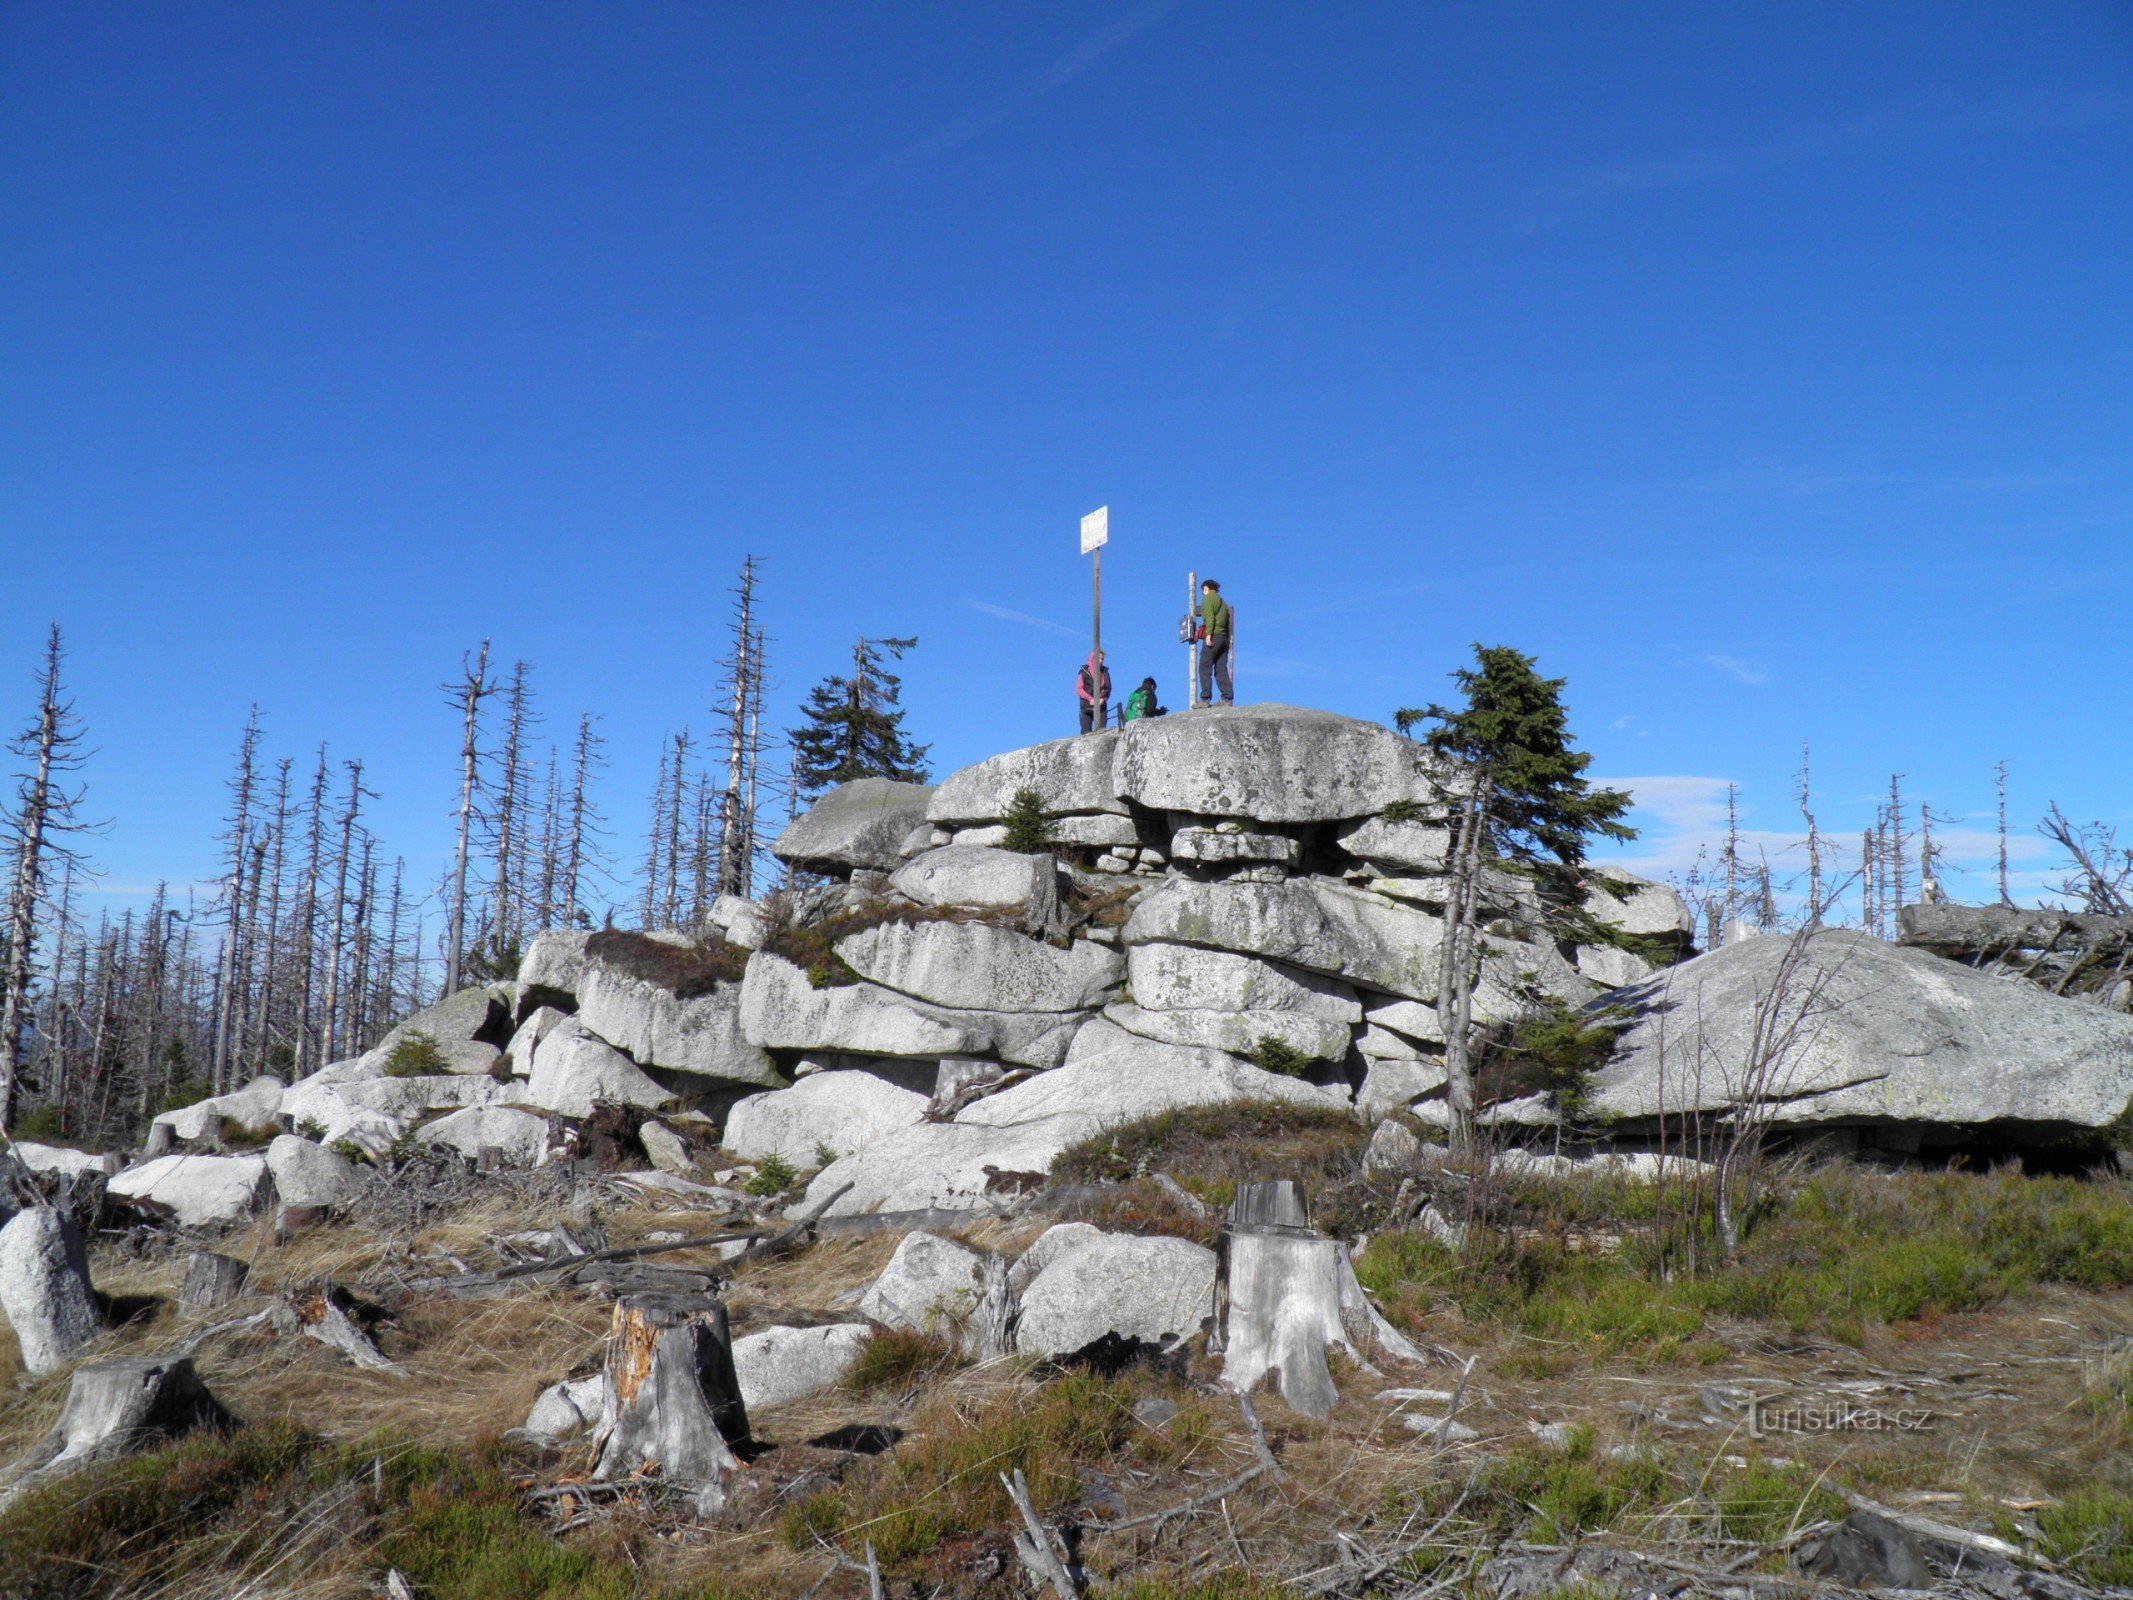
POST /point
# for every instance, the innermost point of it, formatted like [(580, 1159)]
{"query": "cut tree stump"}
[(676, 1399), (326, 1312), (113, 1407), (211, 1280), (1284, 1296)]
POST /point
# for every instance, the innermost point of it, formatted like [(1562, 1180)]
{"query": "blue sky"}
[(1761, 370)]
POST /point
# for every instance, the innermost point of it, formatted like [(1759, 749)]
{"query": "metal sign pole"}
[(1095, 534), (1192, 643)]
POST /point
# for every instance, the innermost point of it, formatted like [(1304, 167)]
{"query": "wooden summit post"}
[(1095, 534)]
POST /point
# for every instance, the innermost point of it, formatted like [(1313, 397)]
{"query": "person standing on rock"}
[(1092, 688), (1217, 622)]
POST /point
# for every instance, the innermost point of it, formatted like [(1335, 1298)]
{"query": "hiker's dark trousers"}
[(1093, 715), (1214, 670)]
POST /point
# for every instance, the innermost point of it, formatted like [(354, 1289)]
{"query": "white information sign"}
[(1096, 529)]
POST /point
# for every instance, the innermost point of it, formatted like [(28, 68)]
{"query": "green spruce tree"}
[(1518, 800), (853, 727)]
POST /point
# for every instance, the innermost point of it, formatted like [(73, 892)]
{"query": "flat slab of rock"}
[(1419, 847), (976, 966), (1268, 763), (855, 825), (1149, 1290), (253, 1106), (931, 1285), (1009, 1140), (973, 875), (575, 1070), (57, 1158), (1895, 1035), (1210, 846), (1048, 1247), (516, 1138), (782, 1010), (780, 1365), (842, 1111), (200, 1191), (551, 965), (1236, 1032), (700, 1035), (44, 1288), (1652, 910), (1176, 977), (306, 1174), (1071, 774), (1390, 1086)]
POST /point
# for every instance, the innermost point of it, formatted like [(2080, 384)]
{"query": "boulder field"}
[(1233, 904)]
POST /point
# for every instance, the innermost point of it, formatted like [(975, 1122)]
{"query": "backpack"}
[(1138, 705)]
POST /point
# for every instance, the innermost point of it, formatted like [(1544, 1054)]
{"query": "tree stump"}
[(44, 1288), (113, 1407), (1285, 1295), (675, 1400), (211, 1280), (327, 1312)]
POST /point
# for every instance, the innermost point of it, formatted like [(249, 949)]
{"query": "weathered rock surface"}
[(1408, 1017), (306, 1174), (200, 1191), (63, 1161), (539, 1024), (780, 1365), (1394, 1149), (845, 1111), (1391, 1086), (255, 1105), (1652, 910), (469, 1029), (739, 921), (44, 1288), (700, 1035), (1048, 1247), (1887, 1034), (976, 966), (1176, 977), (1399, 847), (1268, 763), (552, 964), (781, 1010), (575, 1070), (1071, 775), (857, 824), (565, 1410), (931, 1284), (1210, 847), (1151, 1290), (974, 875), (1611, 968), (1236, 1032), (1110, 1078), (517, 1138)]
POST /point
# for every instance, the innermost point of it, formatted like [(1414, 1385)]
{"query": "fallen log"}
[(113, 1407), (326, 1312), (676, 1398), (1998, 930)]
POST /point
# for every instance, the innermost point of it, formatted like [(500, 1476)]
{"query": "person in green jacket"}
[(1217, 622), (1141, 703)]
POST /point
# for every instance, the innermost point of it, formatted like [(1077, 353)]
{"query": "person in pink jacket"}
[(1092, 688)]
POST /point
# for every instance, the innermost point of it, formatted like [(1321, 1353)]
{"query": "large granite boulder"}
[(64, 1161), (253, 1106), (550, 968), (1145, 1290), (974, 875), (1398, 847), (692, 1032), (1010, 1139), (504, 1134), (1177, 977), (931, 1285), (975, 966), (199, 1191), (306, 1174), (1651, 910), (782, 1010), (841, 1111), (857, 824), (574, 1070), (1269, 763), (1237, 1032), (1873, 1034), (780, 1365), (1071, 774), (1338, 931), (468, 1030)]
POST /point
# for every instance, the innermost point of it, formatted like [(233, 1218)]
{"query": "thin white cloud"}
[(1063, 70), (1735, 668), (1022, 618)]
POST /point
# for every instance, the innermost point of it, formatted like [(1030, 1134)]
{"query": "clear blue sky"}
[(1764, 370)]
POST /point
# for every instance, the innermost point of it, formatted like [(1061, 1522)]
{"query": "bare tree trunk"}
[(471, 692), (1814, 841), (574, 869), (340, 912), (509, 820), (307, 938), (659, 826), (270, 961), (1999, 773), (1892, 899), (1455, 971), (671, 905), (239, 838)]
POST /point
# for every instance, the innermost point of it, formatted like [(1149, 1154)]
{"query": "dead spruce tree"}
[(45, 815), (741, 710), (474, 686), (1519, 801)]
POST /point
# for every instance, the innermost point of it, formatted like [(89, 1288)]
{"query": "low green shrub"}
[(1270, 1054), (1029, 828), (895, 1358), (415, 1054), (773, 1176)]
